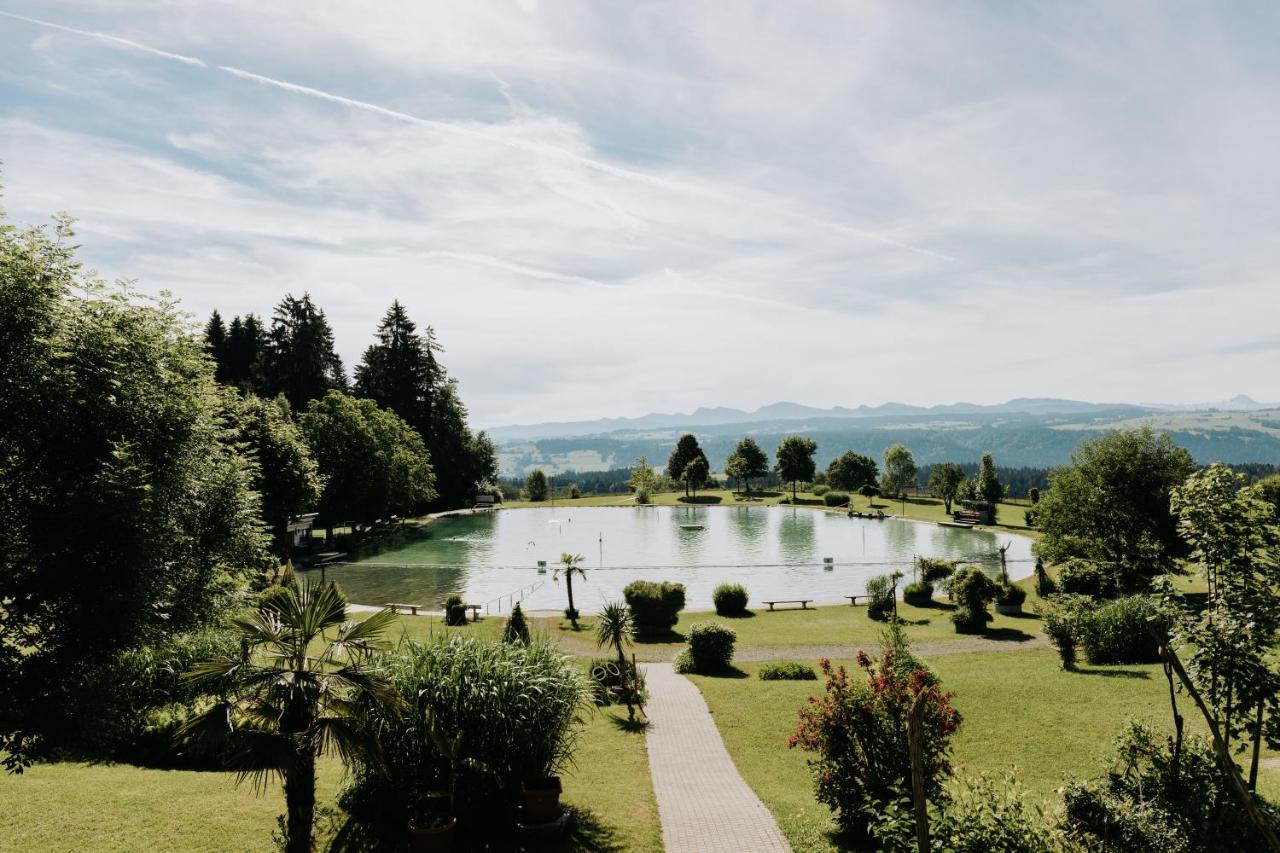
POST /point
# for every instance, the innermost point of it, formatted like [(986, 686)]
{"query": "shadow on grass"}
[(805, 502), (746, 614), (1010, 635), (637, 726), (587, 831), (701, 499), (1113, 673), (730, 671), (932, 604), (660, 639)]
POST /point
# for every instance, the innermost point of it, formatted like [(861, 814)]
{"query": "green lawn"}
[(1021, 712), (118, 807), (922, 509)]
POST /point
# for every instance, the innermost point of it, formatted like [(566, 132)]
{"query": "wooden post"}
[(915, 743), (1238, 788)]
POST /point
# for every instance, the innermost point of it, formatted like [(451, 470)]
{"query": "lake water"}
[(776, 552)]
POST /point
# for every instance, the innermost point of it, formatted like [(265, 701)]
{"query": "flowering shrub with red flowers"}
[(859, 734)]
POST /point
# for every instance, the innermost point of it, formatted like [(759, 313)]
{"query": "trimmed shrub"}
[(820, 490), (1010, 594), (454, 612), (836, 498), (1116, 631), (642, 496), (919, 593), (931, 570), (730, 599), (654, 606), (1082, 578), (516, 711), (881, 604), (683, 663), (790, 671), (972, 591), (574, 492), (1061, 614), (710, 648), (517, 628), (1045, 586)]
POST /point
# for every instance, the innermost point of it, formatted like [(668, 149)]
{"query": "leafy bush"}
[(791, 671), (972, 591), (642, 496), (858, 734), (730, 599), (454, 612), (820, 490), (517, 628), (1010, 594), (710, 649), (1045, 586), (608, 685), (655, 606), (919, 593), (985, 814), (574, 492), (515, 711), (1150, 799), (836, 498), (881, 602), (1084, 578), (1061, 615), (1116, 631), (931, 570)]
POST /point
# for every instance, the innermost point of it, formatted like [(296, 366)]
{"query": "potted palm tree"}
[(292, 693), (615, 628), (570, 564)]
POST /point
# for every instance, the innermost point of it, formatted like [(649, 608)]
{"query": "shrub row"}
[(788, 671)]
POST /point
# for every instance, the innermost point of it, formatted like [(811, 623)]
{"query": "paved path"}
[(704, 803)]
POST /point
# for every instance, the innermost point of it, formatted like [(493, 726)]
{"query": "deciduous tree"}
[(899, 470), (686, 451), (795, 460), (851, 471), (945, 479)]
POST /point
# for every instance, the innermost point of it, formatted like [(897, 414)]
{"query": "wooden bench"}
[(412, 608), (803, 602), (475, 611), (853, 599)]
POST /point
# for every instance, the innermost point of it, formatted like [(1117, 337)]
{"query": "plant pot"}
[(542, 800), (1009, 609), (432, 839)]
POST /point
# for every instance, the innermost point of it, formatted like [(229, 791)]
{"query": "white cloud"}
[(616, 209)]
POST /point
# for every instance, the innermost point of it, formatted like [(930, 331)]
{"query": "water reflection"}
[(796, 535)]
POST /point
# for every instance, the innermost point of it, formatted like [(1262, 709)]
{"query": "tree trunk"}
[(1257, 751), (573, 618), (915, 744), (300, 799)]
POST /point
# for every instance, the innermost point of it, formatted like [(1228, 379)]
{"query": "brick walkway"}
[(704, 803)]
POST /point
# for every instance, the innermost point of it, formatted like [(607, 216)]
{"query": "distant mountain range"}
[(784, 411), (1033, 432)]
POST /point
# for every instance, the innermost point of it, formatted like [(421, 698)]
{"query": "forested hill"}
[(1017, 440)]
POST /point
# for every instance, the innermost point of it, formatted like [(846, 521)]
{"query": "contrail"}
[(164, 54), (540, 149), (511, 266)]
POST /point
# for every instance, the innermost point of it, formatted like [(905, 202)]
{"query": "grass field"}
[(1008, 515), (1021, 712), (117, 807)]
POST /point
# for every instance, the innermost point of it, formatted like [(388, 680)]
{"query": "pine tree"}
[(300, 361), (215, 343)]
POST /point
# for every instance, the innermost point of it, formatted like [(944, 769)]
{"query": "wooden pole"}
[(1220, 748), (915, 743)]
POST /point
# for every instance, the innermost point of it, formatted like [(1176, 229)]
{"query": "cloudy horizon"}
[(606, 211)]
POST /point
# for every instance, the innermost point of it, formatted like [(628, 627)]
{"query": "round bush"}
[(654, 606), (1116, 632), (972, 591), (730, 599), (1082, 578), (919, 593), (821, 490), (787, 672), (881, 603), (1011, 594), (836, 498), (710, 647), (454, 612)]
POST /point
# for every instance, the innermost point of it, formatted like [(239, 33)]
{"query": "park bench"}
[(412, 608), (803, 602), (853, 599), (475, 611)]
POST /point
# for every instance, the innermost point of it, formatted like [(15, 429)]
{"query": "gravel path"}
[(704, 803)]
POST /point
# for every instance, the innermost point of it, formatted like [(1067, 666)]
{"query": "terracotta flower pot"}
[(432, 839), (542, 800)]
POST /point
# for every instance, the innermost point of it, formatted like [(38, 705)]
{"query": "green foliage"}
[(1082, 577), (695, 474), (288, 478), (836, 499), (1153, 796), (535, 485), (375, 465), (574, 492), (710, 648), (899, 470), (934, 569), (945, 479), (858, 735), (988, 485), (301, 686), (987, 814), (1111, 505), (455, 614), (685, 452), (820, 490), (126, 504), (918, 593), (747, 462), (882, 602), (795, 460), (570, 565), (508, 713), (787, 671), (655, 606), (1062, 614), (851, 471), (730, 599), (516, 630), (1009, 593), (299, 360), (972, 590), (1045, 585), (1116, 631)]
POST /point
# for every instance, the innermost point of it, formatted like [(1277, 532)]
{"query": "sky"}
[(609, 209)]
